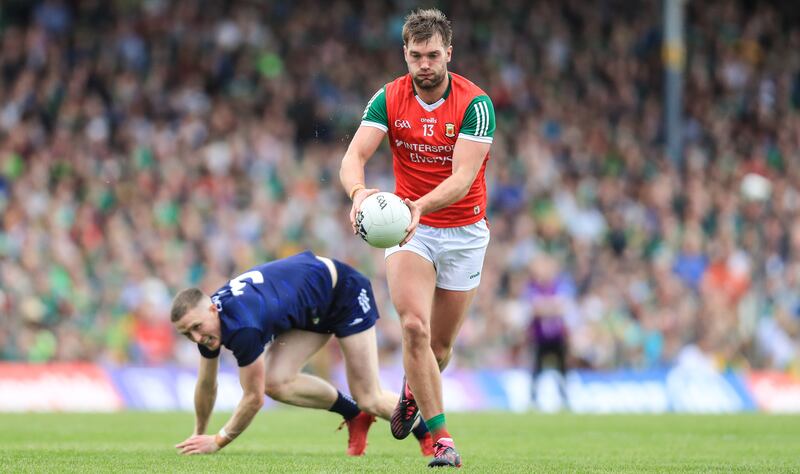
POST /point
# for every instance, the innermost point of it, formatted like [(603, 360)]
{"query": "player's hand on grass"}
[(358, 198), (198, 444), (416, 213)]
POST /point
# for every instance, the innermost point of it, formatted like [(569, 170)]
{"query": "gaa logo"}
[(402, 124)]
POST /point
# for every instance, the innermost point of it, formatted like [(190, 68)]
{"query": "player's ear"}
[(449, 53)]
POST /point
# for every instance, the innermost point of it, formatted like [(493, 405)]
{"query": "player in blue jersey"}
[(273, 318)]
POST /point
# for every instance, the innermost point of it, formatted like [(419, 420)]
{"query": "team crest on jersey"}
[(450, 130)]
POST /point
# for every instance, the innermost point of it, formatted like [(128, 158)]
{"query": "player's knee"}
[(277, 389), (441, 351), (415, 331)]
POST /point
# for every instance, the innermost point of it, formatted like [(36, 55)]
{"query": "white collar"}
[(429, 107)]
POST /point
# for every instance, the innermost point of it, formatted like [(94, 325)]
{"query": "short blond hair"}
[(184, 302), (422, 25)]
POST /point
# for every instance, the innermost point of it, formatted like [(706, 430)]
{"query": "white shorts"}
[(456, 253)]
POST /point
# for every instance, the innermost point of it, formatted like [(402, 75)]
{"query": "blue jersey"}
[(290, 293)]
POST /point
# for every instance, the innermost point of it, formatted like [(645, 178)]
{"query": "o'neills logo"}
[(450, 130)]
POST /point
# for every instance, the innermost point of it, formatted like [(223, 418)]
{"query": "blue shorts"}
[(353, 309)]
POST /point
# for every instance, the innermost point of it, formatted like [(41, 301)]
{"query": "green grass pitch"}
[(294, 440)]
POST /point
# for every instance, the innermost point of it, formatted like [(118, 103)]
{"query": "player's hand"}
[(358, 198), (416, 213), (198, 444)]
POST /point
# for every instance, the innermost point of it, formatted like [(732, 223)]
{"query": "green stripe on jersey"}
[(375, 111), (479, 118)]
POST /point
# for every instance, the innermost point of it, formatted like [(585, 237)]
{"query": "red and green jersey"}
[(422, 137)]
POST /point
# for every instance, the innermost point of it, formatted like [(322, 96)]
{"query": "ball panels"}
[(382, 220)]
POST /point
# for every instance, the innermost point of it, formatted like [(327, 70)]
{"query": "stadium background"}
[(147, 146)]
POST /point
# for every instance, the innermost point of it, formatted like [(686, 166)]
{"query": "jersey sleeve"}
[(375, 113), (478, 124), (208, 353), (246, 345)]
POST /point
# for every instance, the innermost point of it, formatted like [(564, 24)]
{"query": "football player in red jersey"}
[(440, 127)]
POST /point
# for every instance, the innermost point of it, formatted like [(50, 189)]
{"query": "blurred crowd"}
[(146, 146)]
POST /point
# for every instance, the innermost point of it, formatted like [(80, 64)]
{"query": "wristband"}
[(356, 187), (222, 438)]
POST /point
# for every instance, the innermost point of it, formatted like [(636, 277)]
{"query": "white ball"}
[(755, 187), (382, 220)]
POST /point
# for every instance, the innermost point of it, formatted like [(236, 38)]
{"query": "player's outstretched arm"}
[(468, 158), (251, 378), (472, 145), (205, 393), (351, 173)]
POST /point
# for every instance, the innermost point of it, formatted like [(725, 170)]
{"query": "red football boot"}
[(405, 413), (357, 428), (445, 454)]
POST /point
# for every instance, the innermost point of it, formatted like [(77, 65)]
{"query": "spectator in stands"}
[(551, 299), (130, 131)]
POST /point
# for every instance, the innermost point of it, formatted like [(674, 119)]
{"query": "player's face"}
[(427, 62), (201, 325)]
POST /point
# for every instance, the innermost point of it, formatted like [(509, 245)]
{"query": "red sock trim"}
[(442, 433)]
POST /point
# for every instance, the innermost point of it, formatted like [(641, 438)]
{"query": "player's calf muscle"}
[(369, 403)]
